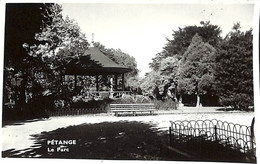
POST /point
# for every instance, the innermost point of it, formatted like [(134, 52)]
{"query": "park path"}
[(19, 136)]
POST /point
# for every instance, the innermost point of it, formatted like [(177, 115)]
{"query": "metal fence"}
[(237, 137), (75, 111)]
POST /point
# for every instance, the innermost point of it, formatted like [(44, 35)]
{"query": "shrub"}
[(168, 104), (91, 104), (165, 105), (237, 101)]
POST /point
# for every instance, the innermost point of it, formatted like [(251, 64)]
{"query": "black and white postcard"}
[(140, 81)]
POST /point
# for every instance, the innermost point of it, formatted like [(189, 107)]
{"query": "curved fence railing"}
[(238, 137)]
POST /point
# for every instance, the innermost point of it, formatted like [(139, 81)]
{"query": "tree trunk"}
[(180, 99), (198, 101)]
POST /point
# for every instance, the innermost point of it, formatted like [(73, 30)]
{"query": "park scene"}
[(71, 91)]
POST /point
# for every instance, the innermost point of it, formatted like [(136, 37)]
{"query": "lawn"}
[(103, 136), (107, 140)]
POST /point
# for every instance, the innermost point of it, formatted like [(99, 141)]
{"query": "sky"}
[(141, 29)]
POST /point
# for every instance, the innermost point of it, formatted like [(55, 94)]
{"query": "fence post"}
[(170, 135), (252, 135), (180, 136), (215, 133)]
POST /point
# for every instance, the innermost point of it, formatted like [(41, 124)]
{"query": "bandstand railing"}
[(108, 94)]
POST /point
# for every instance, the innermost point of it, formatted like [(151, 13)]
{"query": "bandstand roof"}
[(94, 62)]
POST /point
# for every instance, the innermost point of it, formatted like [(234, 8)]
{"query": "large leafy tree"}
[(235, 69), (150, 81), (62, 39), (197, 69), (62, 42), (182, 39), (55, 42), (22, 21), (166, 76)]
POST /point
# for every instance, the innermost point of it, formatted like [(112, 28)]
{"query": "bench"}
[(132, 108)]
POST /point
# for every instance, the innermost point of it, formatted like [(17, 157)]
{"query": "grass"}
[(122, 140), (206, 150)]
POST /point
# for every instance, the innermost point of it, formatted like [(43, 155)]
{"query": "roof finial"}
[(92, 42)]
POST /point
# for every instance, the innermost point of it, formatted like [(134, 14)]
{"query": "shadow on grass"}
[(119, 140), (137, 114), (20, 122), (226, 109), (206, 150)]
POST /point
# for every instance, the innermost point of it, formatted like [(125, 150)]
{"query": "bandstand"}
[(108, 77)]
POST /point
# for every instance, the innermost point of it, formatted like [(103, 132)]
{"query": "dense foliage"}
[(181, 39), (173, 58), (166, 76), (39, 44), (235, 69), (20, 66), (197, 68), (197, 61), (124, 59), (62, 42)]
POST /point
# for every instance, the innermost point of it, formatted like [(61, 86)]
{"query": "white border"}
[(255, 66)]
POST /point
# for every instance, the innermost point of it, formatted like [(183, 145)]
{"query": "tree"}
[(53, 43), (182, 39), (60, 37), (234, 73), (22, 21), (197, 69), (150, 81), (62, 42), (124, 59), (166, 76)]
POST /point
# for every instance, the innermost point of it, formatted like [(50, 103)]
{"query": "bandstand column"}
[(61, 81), (97, 83), (75, 81), (61, 77), (116, 79), (123, 82)]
